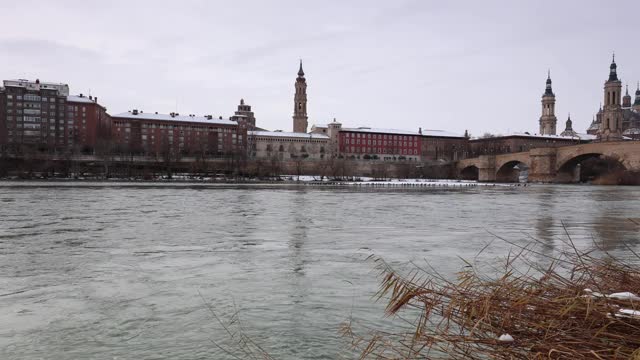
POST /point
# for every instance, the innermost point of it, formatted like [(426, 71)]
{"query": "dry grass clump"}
[(584, 305)]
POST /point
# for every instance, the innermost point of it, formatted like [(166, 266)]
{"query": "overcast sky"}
[(451, 65)]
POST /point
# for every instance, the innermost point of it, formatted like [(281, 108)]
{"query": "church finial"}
[(613, 76), (548, 90), (568, 126), (300, 72)]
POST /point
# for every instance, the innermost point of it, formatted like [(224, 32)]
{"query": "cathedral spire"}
[(548, 119), (626, 99), (613, 75), (569, 124), (300, 118), (548, 90)]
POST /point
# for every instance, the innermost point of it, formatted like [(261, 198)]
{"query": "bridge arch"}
[(511, 171), (470, 172), (570, 170)]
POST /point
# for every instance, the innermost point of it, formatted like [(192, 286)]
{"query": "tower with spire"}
[(636, 103), (548, 119), (626, 99), (568, 129), (611, 125), (300, 118)]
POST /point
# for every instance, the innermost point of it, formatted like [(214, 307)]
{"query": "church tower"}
[(626, 99), (611, 125), (568, 129), (548, 119), (300, 119), (636, 103)]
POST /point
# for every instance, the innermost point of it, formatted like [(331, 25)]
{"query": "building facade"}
[(384, 144), (43, 117), (137, 132), (288, 145), (439, 145), (91, 123)]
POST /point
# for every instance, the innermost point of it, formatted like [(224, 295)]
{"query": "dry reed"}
[(564, 310)]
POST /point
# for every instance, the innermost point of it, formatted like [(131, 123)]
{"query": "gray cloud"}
[(450, 65)]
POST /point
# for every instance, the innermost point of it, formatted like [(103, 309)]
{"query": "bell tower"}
[(548, 119), (300, 119), (611, 125)]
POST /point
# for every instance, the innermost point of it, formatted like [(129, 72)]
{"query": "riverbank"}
[(285, 181)]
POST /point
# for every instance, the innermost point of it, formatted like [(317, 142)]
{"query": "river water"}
[(130, 271)]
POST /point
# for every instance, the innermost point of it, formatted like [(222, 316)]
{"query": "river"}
[(137, 271)]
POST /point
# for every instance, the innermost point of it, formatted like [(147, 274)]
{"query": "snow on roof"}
[(319, 126), (546, 136), (82, 99), (288, 134), (433, 133), (381, 131), (559, 137), (440, 133), (168, 117)]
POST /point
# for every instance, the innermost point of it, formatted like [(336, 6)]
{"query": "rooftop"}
[(81, 98), (425, 132), (380, 130), (62, 89), (173, 117), (578, 136), (440, 133)]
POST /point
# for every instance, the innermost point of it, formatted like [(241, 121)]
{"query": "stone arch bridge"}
[(558, 164)]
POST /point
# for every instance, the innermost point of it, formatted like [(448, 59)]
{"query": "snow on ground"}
[(368, 181)]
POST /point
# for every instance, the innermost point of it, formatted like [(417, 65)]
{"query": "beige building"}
[(288, 145), (617, 121)]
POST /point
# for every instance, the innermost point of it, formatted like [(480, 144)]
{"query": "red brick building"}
[(41, 116), (90, 121), (138, 132), (384, 144), (443, 145)]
